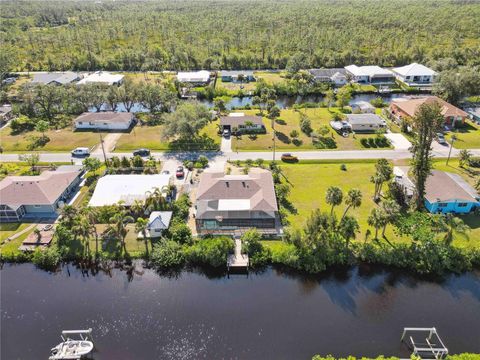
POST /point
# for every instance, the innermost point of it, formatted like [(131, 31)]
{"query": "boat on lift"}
[(73, 349)]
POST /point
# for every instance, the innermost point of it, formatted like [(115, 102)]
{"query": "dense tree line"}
[(158, 35)]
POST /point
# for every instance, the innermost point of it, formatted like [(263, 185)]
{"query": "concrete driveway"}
[(226, 145), (109, 142), (398, 141)]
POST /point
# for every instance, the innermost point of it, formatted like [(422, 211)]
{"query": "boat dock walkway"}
[(237, 260)]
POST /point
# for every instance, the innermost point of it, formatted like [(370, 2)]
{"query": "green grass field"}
[(468, 137), (7, 230), (60, 140), (290, 120), (320, 176)]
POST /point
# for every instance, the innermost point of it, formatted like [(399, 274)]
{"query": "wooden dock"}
[(237, 260)]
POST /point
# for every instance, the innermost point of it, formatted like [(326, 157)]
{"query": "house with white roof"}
[(194, 77), (125, 189), (102, 77), (415, 75), (374, 75), (335, 76), (105, 120)]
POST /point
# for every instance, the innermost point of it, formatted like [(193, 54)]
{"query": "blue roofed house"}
[(449, 193)]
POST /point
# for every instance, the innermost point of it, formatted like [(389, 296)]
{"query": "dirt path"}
[(109, 142)]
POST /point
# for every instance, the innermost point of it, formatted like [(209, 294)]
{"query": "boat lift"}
[(85, 335), (431, 347), (73, 349)]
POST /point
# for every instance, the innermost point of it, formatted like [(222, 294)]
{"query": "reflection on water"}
[(274, 314)]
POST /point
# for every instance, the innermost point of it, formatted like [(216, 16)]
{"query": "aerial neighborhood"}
[(194, 155)]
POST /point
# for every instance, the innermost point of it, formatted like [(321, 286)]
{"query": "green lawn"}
[(233, 86), (9, 229), (60, 140), (270, 77), (150, 137), (290, 120), (11, 247), (322, 175), (468, 137)]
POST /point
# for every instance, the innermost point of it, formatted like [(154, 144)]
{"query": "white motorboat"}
[(71, 350)]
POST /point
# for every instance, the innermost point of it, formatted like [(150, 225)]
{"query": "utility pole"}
[(273, 127), (103, 150), (451, 146)]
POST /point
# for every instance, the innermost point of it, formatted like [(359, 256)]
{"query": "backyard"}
[(60, 140), (320, 175), (289, 121), (468, 137)]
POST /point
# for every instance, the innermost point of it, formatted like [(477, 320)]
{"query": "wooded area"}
[(142, 35)]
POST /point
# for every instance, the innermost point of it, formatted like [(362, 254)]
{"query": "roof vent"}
[(226, 183), (243, 183)]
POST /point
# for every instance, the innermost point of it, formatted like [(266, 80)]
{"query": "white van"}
[(81, 151)]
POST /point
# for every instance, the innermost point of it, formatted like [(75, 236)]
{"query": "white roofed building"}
[(102, 77), (125, 189), (415, 75), (194, 77), (373, 74)]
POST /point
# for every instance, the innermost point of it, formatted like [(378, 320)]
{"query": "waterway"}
[(269, 315)]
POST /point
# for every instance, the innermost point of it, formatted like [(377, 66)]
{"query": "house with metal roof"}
[(57, 78), (227, 204), (373, 74), (102, 77), (105, 120), (38, 196), (194, 77), (158, 222), (415, 75), (241, 123)]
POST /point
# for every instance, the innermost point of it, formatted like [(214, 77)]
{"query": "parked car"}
[(165, 172), (441, 139), (81, 151), (180, 173), (141, 152), (226, 133), (287, 157)]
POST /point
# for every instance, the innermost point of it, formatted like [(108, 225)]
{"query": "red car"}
[(180, 173)]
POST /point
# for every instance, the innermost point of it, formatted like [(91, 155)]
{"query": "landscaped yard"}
[(150, 137), (11, 247), (60, 140), (9, 229), (468, 137), (319, 176), (288, 121)]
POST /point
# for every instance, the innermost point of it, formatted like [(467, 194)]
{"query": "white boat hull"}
[(71, 350)]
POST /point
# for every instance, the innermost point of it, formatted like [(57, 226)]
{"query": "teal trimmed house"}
[(240, 76), (449, 193)]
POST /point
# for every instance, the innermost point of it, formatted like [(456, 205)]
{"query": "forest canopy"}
[(174, 35)]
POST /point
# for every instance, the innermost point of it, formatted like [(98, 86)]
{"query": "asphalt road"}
[(223, 156)]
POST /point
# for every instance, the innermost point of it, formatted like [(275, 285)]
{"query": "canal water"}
[(270, 315), (282, 101)]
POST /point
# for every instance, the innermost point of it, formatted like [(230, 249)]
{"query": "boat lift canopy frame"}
[(433, 344), (85, 335)]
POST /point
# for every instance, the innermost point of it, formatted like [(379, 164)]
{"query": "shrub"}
[(343, 167), (210, 251), (167, 254), (306, 126), (203, 160), (180, 232), (258, 254), (364, 142), (46, 258), (378, 102)]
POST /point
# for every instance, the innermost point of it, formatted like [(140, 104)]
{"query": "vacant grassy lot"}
[(60, 140), (288, 121), (468, 137), (150, 137), (270, 77), (320, 176), (235, 86)]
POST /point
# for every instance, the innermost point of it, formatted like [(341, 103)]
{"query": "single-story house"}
[(158, 222), (359, 123), (415, 75), (125, 189), (102, 77), (194, 77), (448, 193), (237, 76), (6, 113), (363, 107), (239, 122), (374, 74), (38, 196), (226, 204), (57, 78), (335, 76), (401, 109), (105, 120)]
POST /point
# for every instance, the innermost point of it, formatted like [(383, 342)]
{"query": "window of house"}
[(37, 206), (462, 204), (442, 205)]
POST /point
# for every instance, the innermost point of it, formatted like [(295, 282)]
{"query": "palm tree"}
[(92, 214), (392, 210), (353, 200), (68, 214), (452, 225), (118, 226), (377, 219), (155, 200), (137, 208), (464, 157), (141, 226), (348, 228), (334, 197), (82, 229)]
